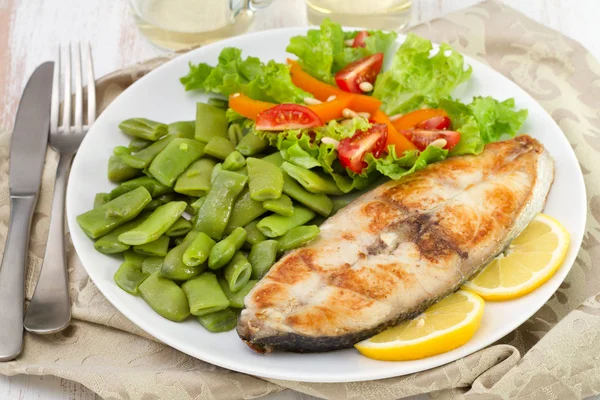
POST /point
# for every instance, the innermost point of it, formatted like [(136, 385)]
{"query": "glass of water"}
[(389, 15), (179, 24)]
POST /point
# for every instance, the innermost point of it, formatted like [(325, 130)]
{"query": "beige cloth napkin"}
[(553, 355)]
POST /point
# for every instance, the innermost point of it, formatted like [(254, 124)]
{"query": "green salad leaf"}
[(322, 52), (416, 76), (496, 118), (267, 82)]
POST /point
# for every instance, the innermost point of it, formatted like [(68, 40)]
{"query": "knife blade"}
[(27, 154)]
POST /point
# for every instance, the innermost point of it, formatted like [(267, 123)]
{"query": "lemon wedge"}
[(530, 260), (442, 327)]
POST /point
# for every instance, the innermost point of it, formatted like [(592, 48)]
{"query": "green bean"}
[(158, 247), (154, 187), (197, 204), (339, 203), (174, 159), (136, 258), (136, 144), (119, 171), (216, 210), (320, 203), (101, 199), (245, 210), (243, 170), (297, 237), (121, 150), (223, 252), (198, 251), (236, 299), (210, 122), (165, 297), (179, 228), (179, 240), (195, 180), (159, 201), (155, 225), (173, 266), (143, 128), (204, 294), (265, 180), (237, 272), (151, 265), (183, 129), (251, 144), (276, 225), (100, 221), (310, 180), (234, 161), (215, 171), (219, 147), (129, 276), (220, 321), (219, 103), (253, 235), (234, 133), (262, 257), (144, 157), (282, 205), (109, 243)]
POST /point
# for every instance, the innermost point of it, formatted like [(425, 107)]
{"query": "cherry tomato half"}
[(437, 122), (352, 150), (363, 70), (423, 138), (359, 39), (287, 116)]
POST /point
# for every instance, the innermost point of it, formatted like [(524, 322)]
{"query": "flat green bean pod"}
[(297, 237), (170, 163), (129, 276), (205, 295), (158, 247), (220, 321), (262, 257), (144, 128), (276, 225), (264, 180), (155, 225), (165, 297), (222, 252), (237, 272)]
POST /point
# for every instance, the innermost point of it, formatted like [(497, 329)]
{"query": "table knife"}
[(27, 154)]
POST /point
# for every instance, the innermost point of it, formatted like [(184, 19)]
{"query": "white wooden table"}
[(30, 30)]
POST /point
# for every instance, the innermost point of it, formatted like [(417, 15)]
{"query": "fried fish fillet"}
[(398, 249)]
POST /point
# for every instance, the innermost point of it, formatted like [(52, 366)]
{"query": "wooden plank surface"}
[(31, 29)]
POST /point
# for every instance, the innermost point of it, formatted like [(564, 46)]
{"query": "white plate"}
[(161, 97)]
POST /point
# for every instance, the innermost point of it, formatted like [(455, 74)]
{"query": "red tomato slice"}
[(352, 150), (363, 70), (436, 123), (287, 116), (359, 39), (423, 138)]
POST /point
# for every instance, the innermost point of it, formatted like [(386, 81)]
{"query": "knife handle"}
[(12, 276)]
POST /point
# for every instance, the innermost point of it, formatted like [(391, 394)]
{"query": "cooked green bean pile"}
[(202, 210)]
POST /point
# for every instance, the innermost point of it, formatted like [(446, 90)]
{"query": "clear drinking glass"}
[(179, 24), (389, 15)]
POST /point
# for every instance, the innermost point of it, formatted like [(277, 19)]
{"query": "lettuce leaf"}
[(395, 167), (415, 75), (322, 52), (496, 118), (267, 82)]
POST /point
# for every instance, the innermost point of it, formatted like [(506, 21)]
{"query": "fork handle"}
[(12, 276), (50, 308)]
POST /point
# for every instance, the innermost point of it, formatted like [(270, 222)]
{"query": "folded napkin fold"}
[(553, 355)]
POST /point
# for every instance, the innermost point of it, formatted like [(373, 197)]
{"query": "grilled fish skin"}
[(397, 249)]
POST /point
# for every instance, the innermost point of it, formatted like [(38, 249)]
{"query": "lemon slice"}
[(442, 327), (530, 260)]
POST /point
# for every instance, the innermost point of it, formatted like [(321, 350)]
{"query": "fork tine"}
[(55, 105), (67, 99), (78, 91), (91, 82)]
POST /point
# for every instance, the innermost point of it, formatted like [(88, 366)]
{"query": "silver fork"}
[(50, 307)]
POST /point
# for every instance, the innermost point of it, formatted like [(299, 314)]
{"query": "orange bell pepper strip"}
[(400, 142), (322, 91), (413, 118), (250, 108)]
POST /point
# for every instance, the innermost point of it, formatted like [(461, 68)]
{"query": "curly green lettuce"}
[(322, 52), (267, 82), (415, 76)]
